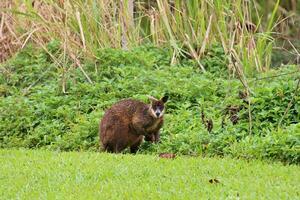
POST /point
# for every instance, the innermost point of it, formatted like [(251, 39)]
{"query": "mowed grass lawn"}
[(38, 174)]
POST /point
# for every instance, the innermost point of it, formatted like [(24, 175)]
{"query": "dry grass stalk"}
[(9, 42)]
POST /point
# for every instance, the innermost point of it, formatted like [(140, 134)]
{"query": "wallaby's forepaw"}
[(150, 138), (153, 138)]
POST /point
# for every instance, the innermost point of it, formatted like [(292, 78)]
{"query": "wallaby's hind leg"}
[(110, 149), (135, 147), (107, 148), (120, 146)]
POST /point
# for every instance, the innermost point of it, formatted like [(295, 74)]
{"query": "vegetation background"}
[(231, 69)]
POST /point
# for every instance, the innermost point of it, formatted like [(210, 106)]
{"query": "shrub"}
[(35, 113), (282, 144)]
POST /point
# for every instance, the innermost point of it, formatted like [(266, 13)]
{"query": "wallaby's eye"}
[(160, 107), (157, 106)]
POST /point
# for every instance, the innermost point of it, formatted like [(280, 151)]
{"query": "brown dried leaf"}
[(167, 155)]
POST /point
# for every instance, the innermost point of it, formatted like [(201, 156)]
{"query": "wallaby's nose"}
[(157, 114)]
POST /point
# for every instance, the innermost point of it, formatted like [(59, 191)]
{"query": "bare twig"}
[(295, 49), (77, 63), (290, 103), (250, 116), (194, 53), (2, 24), (206, 37), (28, 37), (77, 13), (278, 75), (26, 90)]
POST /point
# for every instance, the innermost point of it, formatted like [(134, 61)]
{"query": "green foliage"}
[(283, 144), (88, 175), (35, 113), (144, 56), (215, 60)]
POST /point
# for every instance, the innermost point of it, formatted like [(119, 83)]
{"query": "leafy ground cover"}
[(40, 174), (37, 113)]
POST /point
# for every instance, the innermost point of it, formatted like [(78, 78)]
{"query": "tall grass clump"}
[(188, 27)]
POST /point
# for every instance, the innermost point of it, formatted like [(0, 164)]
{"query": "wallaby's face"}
[(157, 107)]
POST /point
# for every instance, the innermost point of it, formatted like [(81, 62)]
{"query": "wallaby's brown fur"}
[(128, 121)]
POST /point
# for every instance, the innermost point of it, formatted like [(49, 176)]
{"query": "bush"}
[(35, 113), (283, 144)]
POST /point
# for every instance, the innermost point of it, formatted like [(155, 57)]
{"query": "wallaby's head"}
[(157, 107)]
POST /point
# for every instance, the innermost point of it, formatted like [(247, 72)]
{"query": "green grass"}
[(40, 174)]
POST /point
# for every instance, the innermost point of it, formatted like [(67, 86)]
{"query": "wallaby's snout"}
[(157, 113)]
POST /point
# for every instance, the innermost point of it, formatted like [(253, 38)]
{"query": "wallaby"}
[(128, 121)]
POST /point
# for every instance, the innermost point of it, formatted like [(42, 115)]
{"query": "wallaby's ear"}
[(152, 99), (165, 99)]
